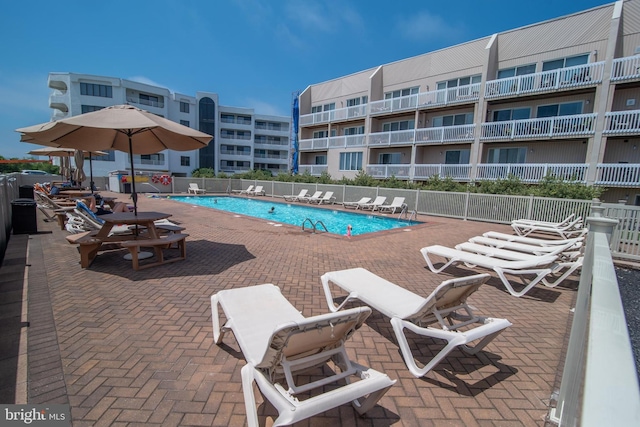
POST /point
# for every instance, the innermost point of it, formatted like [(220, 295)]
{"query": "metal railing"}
[(599, 381)]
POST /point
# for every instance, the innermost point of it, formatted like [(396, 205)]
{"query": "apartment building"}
[(558, 97), (242, 139)]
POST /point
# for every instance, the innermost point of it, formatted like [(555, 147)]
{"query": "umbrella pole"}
[(90, 173), (134, 195)]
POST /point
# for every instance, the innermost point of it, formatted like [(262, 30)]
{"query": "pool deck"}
[(127, 348)]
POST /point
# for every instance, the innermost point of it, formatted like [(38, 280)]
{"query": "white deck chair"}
[(245, 191), (298, 197), (566, 231), (565, 221), (315, 196), (356, 204), (327, 198), (194, 189), (569, 248), (373, 205), (397, 203), (422, 316), (257, 191), (531, 240), (539, 266), (277, 341)]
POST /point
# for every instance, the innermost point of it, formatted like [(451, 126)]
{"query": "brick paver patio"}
[(127, 348)]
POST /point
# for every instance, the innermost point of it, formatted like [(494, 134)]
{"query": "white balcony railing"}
[(347, 141), (622, 122), (349, 113), (618, 174), (438, 135), (452, 95), (532, 172), (401, 171), (313, 144), (563, 78), (626, 68), (548, 127), (455, 172), (315, 170)]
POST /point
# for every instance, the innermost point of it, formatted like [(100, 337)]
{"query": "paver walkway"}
[(128, 348)]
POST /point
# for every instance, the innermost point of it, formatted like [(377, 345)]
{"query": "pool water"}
[(335, 221)]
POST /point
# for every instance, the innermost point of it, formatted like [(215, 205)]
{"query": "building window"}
[(457, 157), (207, 124), (402, 125), (320, 134), (566, 109), (152, 159), (109, 157), (90, 108), (461, 81), (517, 71), (244, 120), (321, 159), (325, 107), (389, 158), (184, 107), (184, 123), (351, 161), (91, 89), (452, 120), (402, 92), (357, 101), (358, 130), (243, 151), (150, 100), (507, 155), (513, 114), (227, 118), (185, 161), (565, 62), (243, 135)]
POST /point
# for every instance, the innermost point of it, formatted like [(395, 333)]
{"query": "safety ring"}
[(165, 179), (155, 179)]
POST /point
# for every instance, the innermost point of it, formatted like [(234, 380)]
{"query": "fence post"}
[(466, 205), (530, 206)]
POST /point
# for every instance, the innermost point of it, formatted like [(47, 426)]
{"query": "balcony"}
[(532, 172), (314, 170), (548, 127), (59, 101), (145, 102), (347, 141), (625, 69), (546, 81), (622, 123), (618, 174), (316, 144), (401, 171), (343, 114), (455, 95), (456, 172)]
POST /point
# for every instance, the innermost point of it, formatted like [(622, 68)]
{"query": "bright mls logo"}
[(35, 415)]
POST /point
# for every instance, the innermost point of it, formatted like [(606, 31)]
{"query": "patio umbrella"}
[(120, 127), (63, 152)]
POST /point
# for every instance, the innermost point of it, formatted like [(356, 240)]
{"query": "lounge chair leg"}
[(249, 396)]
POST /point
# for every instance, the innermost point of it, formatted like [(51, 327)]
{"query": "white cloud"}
[(424, 25)]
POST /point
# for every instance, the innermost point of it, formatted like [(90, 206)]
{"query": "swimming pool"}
[(335, 221)]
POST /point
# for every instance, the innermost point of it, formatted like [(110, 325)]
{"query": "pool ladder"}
[(412, 216), (314, 225)]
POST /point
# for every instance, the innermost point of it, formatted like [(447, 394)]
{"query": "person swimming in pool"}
[(272, 210), (349, 231)]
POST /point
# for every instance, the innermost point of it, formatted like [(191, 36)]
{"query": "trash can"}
[(23, 216), (25, 192), (127, 187)]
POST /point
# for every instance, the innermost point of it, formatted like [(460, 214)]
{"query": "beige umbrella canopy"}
[(66, 152), (120, 127)]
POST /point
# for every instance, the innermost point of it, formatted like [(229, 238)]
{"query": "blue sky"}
[(253, 53)]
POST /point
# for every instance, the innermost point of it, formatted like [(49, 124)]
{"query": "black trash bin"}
[(127, 188), (23, 216), (25, 192)]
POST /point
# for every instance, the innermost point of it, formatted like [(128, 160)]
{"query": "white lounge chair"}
[(356, 204), (397, 203), (379, 201), (540, 266), (194, 189), (565, 221), (327, 198), (257, 191), (422, 316), (277, 342), (298, 197), (315, 196), (569, 248), (571, 229), (245, 191), (530, 240)]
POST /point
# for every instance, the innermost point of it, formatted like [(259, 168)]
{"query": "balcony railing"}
[(454, 95), (438, 135), (315, 170), (626, 68), (532, 172), (549, 127), (455, 172), (401, 171), (347, 141), (618, 174), (147, 102), (622, 122), (313, 144), (563, 78)]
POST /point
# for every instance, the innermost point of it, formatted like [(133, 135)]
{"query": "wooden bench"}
[(158, 245), (88, 246)]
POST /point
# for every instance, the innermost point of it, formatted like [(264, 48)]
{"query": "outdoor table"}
[(142, 219)]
